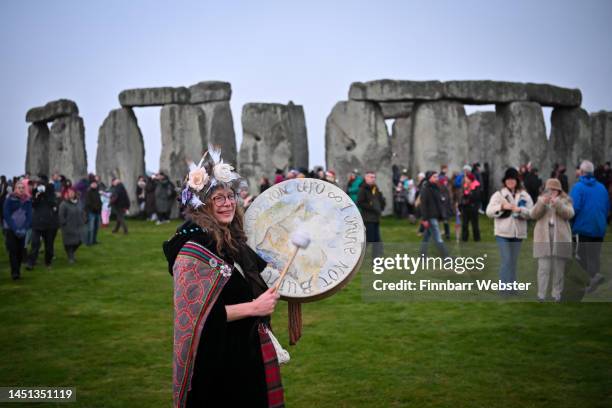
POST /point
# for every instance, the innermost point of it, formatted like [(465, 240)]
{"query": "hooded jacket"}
[(591, 207)]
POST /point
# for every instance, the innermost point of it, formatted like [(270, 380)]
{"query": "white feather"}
[(202, 159), (215, 153)]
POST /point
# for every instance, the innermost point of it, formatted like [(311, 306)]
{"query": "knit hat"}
[(553, 184), (511, 173)]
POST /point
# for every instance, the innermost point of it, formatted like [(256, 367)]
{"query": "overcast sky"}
[(275, 51)]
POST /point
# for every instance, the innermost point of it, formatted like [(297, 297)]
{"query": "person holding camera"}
[(45, 222), (510, 208), (552, 237)]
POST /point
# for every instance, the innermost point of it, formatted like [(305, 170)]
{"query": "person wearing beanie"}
[(552, 237), (591, 207), (509, 207)]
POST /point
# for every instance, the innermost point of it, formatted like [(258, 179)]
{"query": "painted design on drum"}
[(327, 215)]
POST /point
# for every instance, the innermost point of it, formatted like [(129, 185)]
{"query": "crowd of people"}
[(33, 209), (566, 225), (570, 222)]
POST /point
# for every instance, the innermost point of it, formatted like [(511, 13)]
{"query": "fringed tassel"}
[(295, 322)]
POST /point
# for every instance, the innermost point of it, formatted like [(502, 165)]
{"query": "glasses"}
[(221, 199)]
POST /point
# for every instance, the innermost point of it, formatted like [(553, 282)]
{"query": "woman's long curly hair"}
[(228, 238)]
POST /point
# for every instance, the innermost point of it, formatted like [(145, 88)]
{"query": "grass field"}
[(104, 325)]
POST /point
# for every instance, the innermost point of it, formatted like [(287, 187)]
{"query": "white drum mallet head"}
[(300, 240)]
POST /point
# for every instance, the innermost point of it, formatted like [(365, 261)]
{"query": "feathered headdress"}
[(210, 172)]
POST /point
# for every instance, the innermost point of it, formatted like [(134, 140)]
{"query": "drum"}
[(331, 220)]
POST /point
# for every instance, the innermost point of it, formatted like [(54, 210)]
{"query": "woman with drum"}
[(223, 355)]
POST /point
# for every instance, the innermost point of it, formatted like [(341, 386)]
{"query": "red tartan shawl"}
[(199, 277)]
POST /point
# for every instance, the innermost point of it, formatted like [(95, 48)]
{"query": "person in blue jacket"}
[(17, 219), (591, 206)]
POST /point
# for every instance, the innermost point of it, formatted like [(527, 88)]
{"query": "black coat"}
[(93, 202), (473, 199), (371, 202), (447, 203), (532, 185), (150, 207), (119, 198), (45, 209), (431, 202)]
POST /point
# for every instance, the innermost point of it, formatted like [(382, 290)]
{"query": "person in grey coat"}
[(164, 195), (71, 223)]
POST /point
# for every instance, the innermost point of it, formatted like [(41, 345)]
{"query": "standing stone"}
[(440, 136), (121, 152), (37, 156), (601, 125), (356, 137), (299, 137), (67, 153), (522, 133), (570, 139), (483, 142), (482, 138), (401, 143), (183, 133), (270, 132), (265, 142), (218, 128)]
